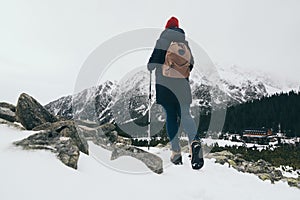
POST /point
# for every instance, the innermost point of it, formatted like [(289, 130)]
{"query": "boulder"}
[(12, 125), (276, 175), (152, 161), (264, 176), (254, 169), (31, 113), (107, 137), (227, 154), (221, 159), (160, 145), (67, 140), (7, 114), (293, 182), (8, 105), (232, 163), (67, 129), (64, 147)]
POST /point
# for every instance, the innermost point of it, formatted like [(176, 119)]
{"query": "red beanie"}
[(172, 22)]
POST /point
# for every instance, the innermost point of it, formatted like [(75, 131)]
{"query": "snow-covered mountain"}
[(90, 104), (273, 83), (107, 102)]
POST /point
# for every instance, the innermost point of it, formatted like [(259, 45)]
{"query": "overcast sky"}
[(43, 43)]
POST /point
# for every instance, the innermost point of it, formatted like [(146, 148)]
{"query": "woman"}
[(174, 94)]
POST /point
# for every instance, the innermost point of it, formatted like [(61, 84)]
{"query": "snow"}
[(237, 76), (289, 172), (221, 143), (39, 174)]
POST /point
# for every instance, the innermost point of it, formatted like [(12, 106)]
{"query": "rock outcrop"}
[(66, 141), (152, 161), (64, 147), (8, 105), (261, 168), (7, 112), (67, 129), (106, 137), (31, 113), (11, 124), (66, 138)]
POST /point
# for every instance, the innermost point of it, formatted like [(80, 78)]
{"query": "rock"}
[(69, 153), (239, 160), (263, 169), (66, 128), (221, 159), (240, 168), (106, 137), (263, 164), (66, 141), (264, 176), (232, 163), (104, 134), (7, 114), (293, 182), (254, 169), (152, 161), (89, 124), (159, 145), (123, 140), (11, 124), (107, 128), (276, 175), (30, 113), (65, 148), (44, 126), (226, 154), (8, 105)]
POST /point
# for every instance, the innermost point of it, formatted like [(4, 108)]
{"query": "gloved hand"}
[(151, 67)]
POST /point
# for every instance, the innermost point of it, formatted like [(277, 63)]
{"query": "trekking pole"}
[(149, 109)]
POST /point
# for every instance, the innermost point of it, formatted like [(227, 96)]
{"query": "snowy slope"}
[(238, 76), (39, 175), (236, 85)]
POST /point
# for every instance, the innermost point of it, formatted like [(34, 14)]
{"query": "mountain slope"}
[(237, 76), (130, 95)]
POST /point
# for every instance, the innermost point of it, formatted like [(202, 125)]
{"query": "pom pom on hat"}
[(172, 22)]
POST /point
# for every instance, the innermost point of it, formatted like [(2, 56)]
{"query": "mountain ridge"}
[(110, 98)]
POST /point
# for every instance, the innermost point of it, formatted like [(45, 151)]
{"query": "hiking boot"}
[(176, 158), (197, 160)]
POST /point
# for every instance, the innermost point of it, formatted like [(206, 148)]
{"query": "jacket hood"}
[(173, 34)]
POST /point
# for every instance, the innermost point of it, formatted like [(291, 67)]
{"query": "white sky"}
[(43, 43)]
